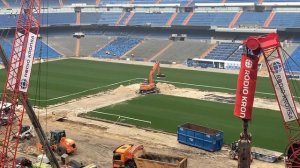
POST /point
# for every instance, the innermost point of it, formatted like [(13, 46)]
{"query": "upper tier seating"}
[(220, 19), (109, 18), (58, 18), (155, 19), (207, 19), (8, 20), (286, 20), (252, 19), (88, 2), (55, 3), (180, 18)]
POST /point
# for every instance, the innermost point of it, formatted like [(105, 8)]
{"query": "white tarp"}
[(282, 90), (28, 61)]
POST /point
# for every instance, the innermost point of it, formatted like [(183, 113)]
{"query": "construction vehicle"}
[(23, 162), (60, 143), (134, 156), (149, 86), (123, 156), (16, 86), (269, 48), (4, 113), (26, 133)]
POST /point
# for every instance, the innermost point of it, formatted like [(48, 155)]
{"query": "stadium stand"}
[(89, 18), (293, 62), (109, 18), (153, 19), (286, 20), (6, 47), (182, 50), (222, 19), (8, 20), (42, 50), (252, 19), (55, 3), (180, 18), (225, 51), (147, 48), (123, 19), (58, 18), (103, 2), (117, 48), (91, 43), (70, 2), (63, 44), (281, 0), (109, 27)]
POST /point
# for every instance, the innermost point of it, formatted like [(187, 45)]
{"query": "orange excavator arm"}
[(155, 67), (150, 86)]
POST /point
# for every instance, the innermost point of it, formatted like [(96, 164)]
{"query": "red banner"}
[(246, 87)]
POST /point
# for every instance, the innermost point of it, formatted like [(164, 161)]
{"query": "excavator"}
[(149, 86), (267, 47), (60, 143)]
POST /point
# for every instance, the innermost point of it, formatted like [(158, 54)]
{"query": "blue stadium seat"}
[(240, 1), (7, 21), (153, 19), (281, 0), (58, 18), (103, 2), (88, 2), (41, 50), (89, 18), (180, 18), (285, 20), (108, 18), (226, 51), (252, 19), (293, 62), (222, 19), (117, 48)]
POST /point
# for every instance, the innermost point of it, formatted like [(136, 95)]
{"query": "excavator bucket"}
[(160, 75)]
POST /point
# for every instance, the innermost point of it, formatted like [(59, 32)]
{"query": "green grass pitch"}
[(63, 80), (59, 81), (167, 112)]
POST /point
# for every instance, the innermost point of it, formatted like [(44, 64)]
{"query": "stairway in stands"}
[(170, 21), (235, 19), (187, 19), (269, 20)]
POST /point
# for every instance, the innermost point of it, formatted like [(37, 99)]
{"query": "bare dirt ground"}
[(96, 140)]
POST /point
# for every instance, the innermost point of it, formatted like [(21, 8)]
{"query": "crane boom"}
[(17, 80), (34, 120), (270, 49)]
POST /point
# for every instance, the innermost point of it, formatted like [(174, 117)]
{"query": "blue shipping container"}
[(200, 137)]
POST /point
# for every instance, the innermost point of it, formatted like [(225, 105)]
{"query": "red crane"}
[(270, 49), (17, 80)]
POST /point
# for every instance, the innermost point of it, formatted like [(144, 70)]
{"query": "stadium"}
[(92, 56)]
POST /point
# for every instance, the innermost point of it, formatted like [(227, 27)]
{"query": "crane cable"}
[(39, 73), (295, 84)]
